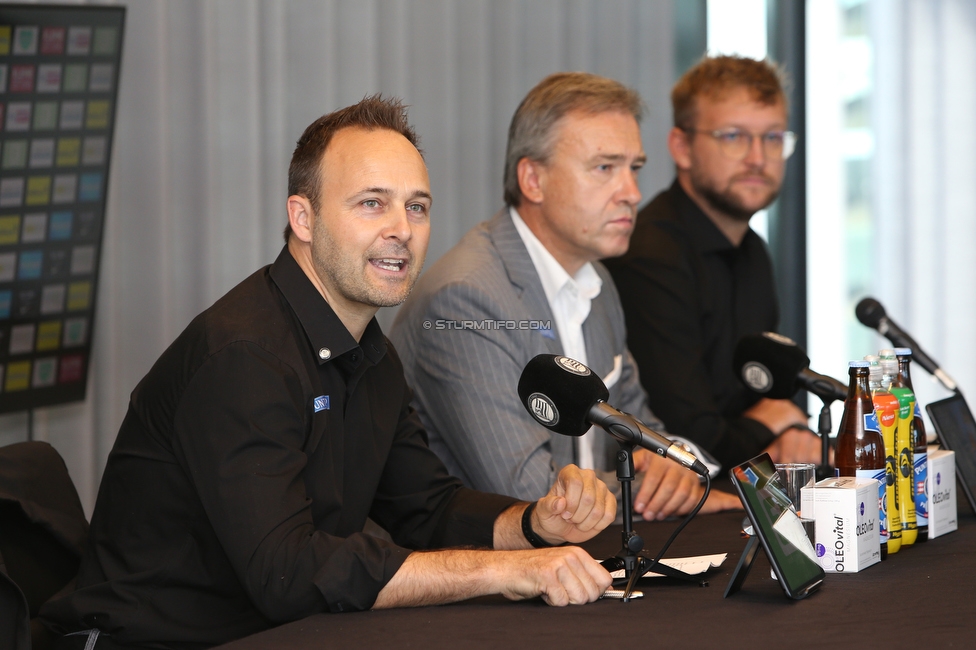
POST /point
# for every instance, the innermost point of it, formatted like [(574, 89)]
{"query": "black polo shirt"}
[(251, 455), (689, 295)]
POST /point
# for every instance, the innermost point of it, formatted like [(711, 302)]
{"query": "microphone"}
[(565, 396), (774, 366), (870, 313)]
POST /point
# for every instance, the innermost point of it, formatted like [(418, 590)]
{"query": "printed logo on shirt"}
[(321, 403)]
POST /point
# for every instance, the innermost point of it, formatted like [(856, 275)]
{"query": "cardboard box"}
[(940, 485), (845, 511)]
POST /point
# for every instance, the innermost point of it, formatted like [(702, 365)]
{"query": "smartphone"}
[(778, 529)]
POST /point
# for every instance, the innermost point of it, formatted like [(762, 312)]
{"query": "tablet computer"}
[(777, 527), (957, 431)]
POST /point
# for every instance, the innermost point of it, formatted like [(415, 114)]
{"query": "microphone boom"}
[(565, 396), (871, 314)]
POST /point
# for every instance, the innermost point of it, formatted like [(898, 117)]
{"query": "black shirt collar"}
[(705, 235), (327, 335)]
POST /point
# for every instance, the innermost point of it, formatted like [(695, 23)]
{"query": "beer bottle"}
[(904, 448), (920, 448), (886, 410), (860, 448)]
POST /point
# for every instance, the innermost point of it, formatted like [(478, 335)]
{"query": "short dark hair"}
[(373, 112), (716, 76), (530, 133)]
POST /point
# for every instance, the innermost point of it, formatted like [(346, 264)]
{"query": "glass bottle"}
[(860, 447), (904, 451), (920, 448)]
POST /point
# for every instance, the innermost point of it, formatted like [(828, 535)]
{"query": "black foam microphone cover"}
[(559, 392), (769, 364), (869, 312)]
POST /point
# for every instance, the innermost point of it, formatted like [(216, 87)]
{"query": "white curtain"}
[(924, 185), (916, 63), (214, 94)]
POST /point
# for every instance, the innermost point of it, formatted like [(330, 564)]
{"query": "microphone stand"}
[(824, 428), (629, 558)]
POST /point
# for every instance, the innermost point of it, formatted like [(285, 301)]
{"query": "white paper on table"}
[(690, 565)]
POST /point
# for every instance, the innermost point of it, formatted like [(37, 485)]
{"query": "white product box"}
[(940, 485), (845, 510)]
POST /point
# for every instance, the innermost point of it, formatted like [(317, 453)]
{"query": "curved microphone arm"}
[(627, 429)]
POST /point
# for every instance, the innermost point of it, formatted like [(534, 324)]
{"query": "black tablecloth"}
[(921, 597)]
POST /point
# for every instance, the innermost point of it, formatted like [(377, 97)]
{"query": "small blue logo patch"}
[(321, 403), (548, 333)]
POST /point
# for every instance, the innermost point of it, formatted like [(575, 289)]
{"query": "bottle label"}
[(871, 422), (904, 448), (879, 476), (888, 416), (890, 503), (921, 496)]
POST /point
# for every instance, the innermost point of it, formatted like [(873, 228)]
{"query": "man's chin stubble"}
[(732, 208)]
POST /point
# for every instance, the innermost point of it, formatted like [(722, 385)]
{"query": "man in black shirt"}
[(252, 453), (696, 278)]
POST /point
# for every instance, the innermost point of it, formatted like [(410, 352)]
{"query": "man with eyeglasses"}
[(696, 278)]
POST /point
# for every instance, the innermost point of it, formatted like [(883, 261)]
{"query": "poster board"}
[(59, 77)]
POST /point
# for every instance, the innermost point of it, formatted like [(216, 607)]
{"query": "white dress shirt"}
[(569, 299)]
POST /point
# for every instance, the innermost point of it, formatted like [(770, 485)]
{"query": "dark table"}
[(921, 597)]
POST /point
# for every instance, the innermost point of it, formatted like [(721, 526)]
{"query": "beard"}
[(348, 273), (726, 201)]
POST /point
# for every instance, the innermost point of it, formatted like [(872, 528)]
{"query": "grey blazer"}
[(465, 371)]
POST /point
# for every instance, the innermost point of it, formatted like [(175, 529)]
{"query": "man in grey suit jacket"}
[(528, 282)]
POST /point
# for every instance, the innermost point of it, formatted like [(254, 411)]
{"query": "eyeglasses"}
[(736, 143)]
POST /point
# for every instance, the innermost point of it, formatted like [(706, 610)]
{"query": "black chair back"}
[(43, 531)]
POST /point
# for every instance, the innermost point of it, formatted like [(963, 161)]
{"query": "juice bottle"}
[(904, 448), (920, 448), (886, 410)]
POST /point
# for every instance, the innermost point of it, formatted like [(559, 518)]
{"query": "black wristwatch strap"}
[(535, 540)]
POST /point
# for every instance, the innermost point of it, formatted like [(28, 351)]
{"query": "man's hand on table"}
[(776, 414), (579, 505), (796, 445), (670, 489)]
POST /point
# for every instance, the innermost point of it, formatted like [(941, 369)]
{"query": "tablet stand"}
[(629, 558), (742, 568)]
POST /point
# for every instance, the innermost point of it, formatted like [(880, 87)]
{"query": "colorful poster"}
[(59, 69)]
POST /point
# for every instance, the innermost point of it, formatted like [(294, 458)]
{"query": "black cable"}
[(687, 520)]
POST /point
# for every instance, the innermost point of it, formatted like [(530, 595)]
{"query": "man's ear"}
[(300, 216), (679, 144), (531, 178)]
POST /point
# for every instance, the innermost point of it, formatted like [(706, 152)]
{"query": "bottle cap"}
[(875, 362), (859, 364), (889, 366), (887, 352), (903, 352)]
